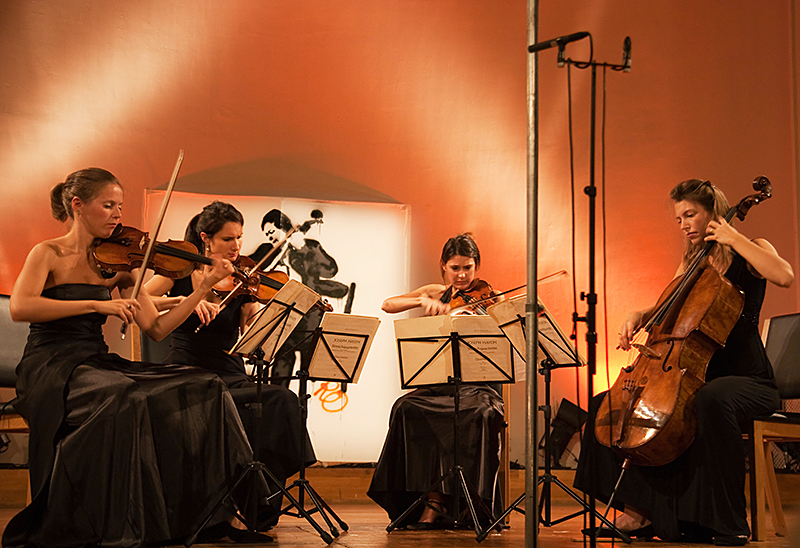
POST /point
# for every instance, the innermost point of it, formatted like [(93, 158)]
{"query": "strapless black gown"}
[(121, 453)]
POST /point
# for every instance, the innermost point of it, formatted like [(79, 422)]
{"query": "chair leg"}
[(773, 495), (758, 481)]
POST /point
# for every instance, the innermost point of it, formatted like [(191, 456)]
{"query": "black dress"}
[(419, 448), (281, 435), (700, 494), (121, 453)]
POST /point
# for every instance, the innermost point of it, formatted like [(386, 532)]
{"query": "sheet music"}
[(272, 325), (348, 338), (484, 349), (510, 316), (426, 357)]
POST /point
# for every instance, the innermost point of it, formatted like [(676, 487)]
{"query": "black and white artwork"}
[(354, 254)]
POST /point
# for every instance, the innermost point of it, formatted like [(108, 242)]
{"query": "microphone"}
[(626, 54), (560, 41)]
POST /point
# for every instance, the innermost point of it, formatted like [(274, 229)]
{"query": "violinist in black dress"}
[(205, 337), (700, 495), (121, 453), (419, 445)]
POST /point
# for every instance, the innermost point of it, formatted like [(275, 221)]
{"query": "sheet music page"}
[(415, 355), (510, 315), (481, 333), (555, 342), (349, 338), (420, 338), (269, 330)]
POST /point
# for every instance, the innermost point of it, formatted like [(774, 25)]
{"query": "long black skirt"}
[(700, 494), (419, 449), (138, 458)]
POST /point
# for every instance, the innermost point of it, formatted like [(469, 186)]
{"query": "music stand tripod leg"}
[(252, 467), (496, 523), (423, 499), (303, 485)]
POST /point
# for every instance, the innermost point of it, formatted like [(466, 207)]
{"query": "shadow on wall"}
[(278, 177)]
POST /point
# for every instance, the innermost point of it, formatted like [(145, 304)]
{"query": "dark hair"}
[(85, 184), (710, 198), (277, 218), (211, 220), (462, 245)]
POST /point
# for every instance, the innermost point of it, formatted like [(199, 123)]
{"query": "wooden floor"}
[(344, 490)]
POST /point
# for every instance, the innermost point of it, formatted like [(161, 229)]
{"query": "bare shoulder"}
[(47, 251), (761, 242), (433, 291)]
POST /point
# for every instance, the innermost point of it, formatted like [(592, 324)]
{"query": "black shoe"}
[(646, 532), (212, 534), (730, 540), (243, 536), (425, 525)]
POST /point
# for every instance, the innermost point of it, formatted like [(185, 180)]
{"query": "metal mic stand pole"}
[(591, 296)]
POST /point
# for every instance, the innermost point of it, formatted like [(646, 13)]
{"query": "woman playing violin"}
[(418, 447), (700, 496), (217, 230), (106, 432)]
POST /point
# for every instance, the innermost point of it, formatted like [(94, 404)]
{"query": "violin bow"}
[(543, 279), (148, 254)]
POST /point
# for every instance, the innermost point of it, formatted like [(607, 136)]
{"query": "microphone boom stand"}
[(591, 297)]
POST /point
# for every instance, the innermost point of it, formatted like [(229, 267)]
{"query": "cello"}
[(648, 415)]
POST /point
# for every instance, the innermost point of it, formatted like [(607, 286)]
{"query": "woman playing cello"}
[(418, 447), (700, 496), (107, 434)]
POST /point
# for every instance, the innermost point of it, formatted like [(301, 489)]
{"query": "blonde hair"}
[(710, 198), (85, 184)]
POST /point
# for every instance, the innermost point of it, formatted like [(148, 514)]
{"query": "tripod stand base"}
[(462, 488), (320, 506), (261, 473), (545, 480)]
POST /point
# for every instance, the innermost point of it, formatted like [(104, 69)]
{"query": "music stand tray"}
[(451, 350), (268, 331)]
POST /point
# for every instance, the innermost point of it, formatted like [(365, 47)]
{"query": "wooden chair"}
[(781, 336)]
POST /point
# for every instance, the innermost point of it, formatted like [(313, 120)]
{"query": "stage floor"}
[(343, 489)]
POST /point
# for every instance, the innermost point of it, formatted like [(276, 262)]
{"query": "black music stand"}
[(271, 327), (486, 359), (558, 352), (340, 345)]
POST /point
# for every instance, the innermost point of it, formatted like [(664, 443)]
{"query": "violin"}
[(474, 300), (260, 286), (124, 250), (175, 259)]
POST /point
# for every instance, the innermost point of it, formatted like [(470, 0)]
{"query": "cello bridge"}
[(647, 352)]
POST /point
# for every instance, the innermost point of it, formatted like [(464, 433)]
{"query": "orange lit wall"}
[(423, 101)]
